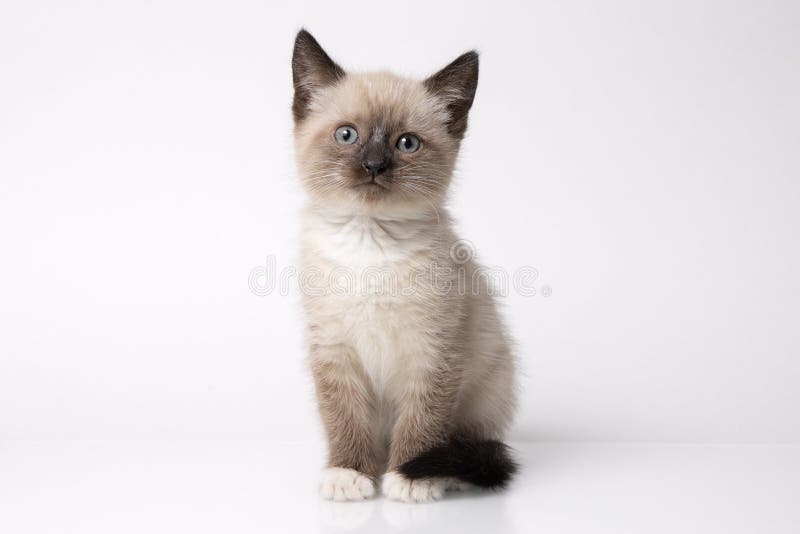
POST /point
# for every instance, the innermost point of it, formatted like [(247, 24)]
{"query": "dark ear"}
[(312, 69), (456, 84)]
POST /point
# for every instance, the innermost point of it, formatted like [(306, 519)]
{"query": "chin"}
[(388, 204), (380, 200), (371, 191)]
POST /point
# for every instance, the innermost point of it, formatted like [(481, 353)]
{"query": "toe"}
[(397, 487), (341, 484)]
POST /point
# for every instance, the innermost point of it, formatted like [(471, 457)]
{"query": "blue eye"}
[(408, 143), (345, 135)]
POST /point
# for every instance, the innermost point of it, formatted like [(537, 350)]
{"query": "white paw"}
[(342, 484), (399, 488)]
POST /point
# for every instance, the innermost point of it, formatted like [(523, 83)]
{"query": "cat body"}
[(412, 366)]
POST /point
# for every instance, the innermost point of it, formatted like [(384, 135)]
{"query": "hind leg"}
[(488, 397)]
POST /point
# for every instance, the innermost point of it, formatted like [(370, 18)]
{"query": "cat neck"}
[(392, 215), (363, 238)]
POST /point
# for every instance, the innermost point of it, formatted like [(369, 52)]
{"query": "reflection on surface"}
[(480, 510), (256, 487), (346, 516)]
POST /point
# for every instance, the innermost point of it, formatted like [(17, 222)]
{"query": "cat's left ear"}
[(312, 69), (456, 85)]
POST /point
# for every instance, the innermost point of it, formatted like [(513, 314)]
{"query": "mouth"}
[(373, 183)]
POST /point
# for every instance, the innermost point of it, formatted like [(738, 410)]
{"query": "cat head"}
[(376, 142)]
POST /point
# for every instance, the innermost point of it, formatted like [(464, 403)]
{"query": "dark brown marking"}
[(456, 84), (312, 69)]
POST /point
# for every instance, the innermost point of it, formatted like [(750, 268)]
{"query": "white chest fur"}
[(370, 263)]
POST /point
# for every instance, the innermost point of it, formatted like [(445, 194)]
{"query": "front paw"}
[(343, 484), (399, 488)]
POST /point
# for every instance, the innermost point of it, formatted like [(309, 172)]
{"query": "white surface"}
[(242, 487), (643, 156)]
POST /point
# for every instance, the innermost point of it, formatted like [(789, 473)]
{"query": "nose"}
[(375, 167)]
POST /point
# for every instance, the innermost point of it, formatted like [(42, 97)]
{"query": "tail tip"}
[(487, 464)]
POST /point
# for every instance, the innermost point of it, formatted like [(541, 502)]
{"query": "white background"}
[(644, 157)]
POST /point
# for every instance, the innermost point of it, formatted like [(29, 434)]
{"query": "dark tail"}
[(487, 464)]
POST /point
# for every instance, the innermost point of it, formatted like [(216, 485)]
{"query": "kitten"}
[(414, 379)]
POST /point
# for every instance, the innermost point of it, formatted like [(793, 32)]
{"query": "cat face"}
[(376, 142)]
